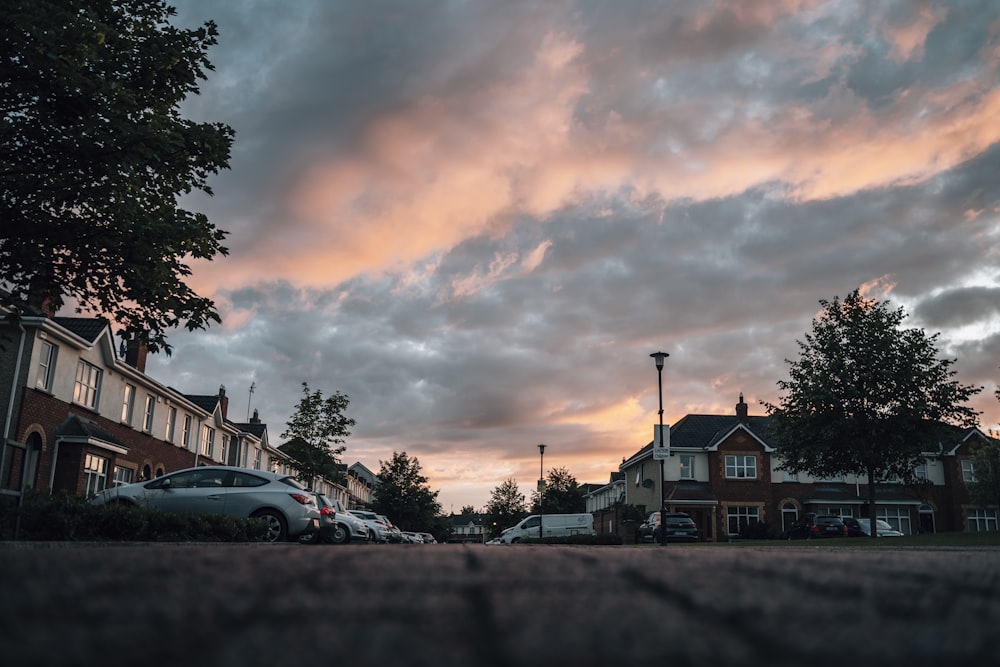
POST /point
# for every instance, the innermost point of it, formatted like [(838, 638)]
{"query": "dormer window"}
[(741, 466)]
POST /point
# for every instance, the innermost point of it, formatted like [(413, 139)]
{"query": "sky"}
[(478, 219)]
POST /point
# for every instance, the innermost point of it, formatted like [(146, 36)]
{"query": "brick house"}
[(725, 474), (80, 414)]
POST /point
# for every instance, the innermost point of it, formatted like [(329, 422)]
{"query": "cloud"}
[(478, 220)]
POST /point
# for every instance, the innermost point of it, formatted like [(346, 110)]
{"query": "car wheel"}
[(340, 534), (277, 529), (310, 538)]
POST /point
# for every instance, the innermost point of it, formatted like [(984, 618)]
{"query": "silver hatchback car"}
[(290, 510)]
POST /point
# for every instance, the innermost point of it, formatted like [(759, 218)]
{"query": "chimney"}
[(256, 417), (42, 298), (223, 401), (136, 349), (741, 410)]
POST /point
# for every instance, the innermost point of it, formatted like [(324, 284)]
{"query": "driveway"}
[(475, 605)]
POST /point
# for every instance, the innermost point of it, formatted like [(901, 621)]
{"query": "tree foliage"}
[(506, 506), (317, 432), (865, 396), (985, 490), (94, 155), (562, 494), (401, 493)]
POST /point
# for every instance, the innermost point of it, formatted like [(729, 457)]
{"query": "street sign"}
[(661, 446)]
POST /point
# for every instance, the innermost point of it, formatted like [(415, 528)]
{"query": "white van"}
[(553, 525)]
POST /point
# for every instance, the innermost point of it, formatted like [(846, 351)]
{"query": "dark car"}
[(862, 528), (680, 528), (811, 526)]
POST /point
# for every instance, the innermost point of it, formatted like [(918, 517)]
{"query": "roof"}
[(206, 403), (77, 428), (705, 431), (466, 519), (87, 328)]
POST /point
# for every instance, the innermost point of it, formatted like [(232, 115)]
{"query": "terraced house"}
[(80, 414), (724, 472)]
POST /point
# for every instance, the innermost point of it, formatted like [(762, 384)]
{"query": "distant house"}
[(468, 528), (724, 472)]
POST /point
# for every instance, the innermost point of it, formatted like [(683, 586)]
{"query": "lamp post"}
[(541, 485), (659, 357)]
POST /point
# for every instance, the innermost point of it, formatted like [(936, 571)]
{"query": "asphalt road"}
[(497, 606)]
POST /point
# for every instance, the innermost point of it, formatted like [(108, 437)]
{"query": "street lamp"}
[(541, 485), (659, 357)]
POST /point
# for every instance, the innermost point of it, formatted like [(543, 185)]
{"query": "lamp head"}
[(659, 357)]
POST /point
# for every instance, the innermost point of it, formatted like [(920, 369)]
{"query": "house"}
[(80, 414), (724, 471), (468, 528)]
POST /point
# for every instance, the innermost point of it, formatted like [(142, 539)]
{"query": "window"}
[(46, 366), (95, 474), (256, 459), (920, 472), (982, 520), (225, 448), (147, 415), (186, 432), (968, 471), (128, 400), (741, 467), (687, 466), (88, 383), (791, 476), (207, 440), (171, 423), (123, 475), (740, 518), (897, 517)]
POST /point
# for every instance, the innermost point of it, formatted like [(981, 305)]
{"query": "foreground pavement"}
[(474, 605)]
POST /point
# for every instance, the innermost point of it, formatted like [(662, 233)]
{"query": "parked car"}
[(861, 527), (812, 525), (411, 537), (395, 534), (290, 510), (428, 538), (680, 528), (337, 525), (377, 528)]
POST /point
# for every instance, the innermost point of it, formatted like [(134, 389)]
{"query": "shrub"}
[(64, 517)]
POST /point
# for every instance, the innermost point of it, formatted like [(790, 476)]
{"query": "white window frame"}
[(147, 413), (186, 432), (687, 466), (128, 403), (256, 459), (171, 424), (745, 512), (46, 366), (95, 474), (980, 520), (87, 386), (738, 465), (897, 517), (968, 470), (207, 440), (123, 475), (225, 448)]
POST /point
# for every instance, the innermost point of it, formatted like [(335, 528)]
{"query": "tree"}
[(468, 509), (93, 157), (562, 495), (506, 506), (402, 494), (317, 431), (985, 490), (865, 396)]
